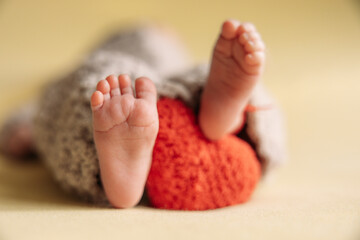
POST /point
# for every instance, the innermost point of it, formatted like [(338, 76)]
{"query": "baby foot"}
[(125, 128), (237, 64), (238, 54)]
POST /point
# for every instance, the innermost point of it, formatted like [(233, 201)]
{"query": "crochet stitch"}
[(188, 172)]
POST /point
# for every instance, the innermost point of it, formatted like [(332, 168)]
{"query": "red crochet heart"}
[(189, 172)]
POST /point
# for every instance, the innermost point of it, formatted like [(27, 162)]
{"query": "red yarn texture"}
[(189, 172)]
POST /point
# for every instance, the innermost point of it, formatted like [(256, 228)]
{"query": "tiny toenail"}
[(246, 36)]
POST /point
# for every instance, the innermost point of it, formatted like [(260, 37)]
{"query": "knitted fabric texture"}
[(189, 172)]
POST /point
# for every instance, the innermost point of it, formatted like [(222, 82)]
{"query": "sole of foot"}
[(125, 124)]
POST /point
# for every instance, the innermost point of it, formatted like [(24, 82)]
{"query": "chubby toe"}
[(254, 45), (97, 100), (104, 87), (114, 85), (255, 58), (145, 89), (246, 27), (247, 36), (125, 84), (229, 29)]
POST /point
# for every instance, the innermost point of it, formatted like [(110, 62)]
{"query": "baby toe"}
[(97, 100), (229, 29), (254, 45), (145, 89), (255, 58), (114, 85), (125, 84), (104, 87), (247, 36), (246, 27)]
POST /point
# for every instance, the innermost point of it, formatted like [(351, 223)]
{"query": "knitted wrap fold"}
[(63, 121)]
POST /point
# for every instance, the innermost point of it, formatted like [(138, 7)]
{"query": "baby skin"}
[(125, 122)]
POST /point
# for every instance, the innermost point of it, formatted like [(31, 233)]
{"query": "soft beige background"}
[(313, 70)]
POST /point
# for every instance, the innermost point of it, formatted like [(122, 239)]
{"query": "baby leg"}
[(236, 67), (125, 127)]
